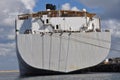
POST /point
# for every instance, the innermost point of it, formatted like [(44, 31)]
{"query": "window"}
[(57, 27), (47, 21)]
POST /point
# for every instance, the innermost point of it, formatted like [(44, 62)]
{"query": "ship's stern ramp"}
[(63, 52)]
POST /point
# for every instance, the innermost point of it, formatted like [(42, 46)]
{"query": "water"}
[(90, 76)]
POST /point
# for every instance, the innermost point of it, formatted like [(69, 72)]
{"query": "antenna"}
[(85, 11)]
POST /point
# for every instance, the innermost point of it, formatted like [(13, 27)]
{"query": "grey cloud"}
[(110, 8), (9, 9), (115, 49)]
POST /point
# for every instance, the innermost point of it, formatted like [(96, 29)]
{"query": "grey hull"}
[(61, 53)]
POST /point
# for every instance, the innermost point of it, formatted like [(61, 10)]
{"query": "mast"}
[(85, 13)]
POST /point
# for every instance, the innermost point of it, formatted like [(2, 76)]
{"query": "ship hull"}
[(61, 53)]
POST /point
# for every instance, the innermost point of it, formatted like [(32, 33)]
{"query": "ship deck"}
[(56, 13)]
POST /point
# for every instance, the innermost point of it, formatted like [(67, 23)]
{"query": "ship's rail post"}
[(16, 30), (15, 26)]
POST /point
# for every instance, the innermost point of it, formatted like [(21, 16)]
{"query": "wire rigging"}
[(73, 39)]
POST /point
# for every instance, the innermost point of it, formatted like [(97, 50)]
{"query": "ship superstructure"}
[(60, 41)]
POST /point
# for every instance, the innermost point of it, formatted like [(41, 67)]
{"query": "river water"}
[(88, 76)]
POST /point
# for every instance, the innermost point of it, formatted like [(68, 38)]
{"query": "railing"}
[(59, 13)]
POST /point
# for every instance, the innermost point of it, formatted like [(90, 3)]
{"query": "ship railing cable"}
[(117, 43), (93, 38), (73, 39)]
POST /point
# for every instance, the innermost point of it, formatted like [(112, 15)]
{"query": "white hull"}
[(65, 53)]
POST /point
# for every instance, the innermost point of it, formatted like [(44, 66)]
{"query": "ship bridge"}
[(59, 21)]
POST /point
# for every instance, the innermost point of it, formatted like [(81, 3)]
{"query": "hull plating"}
[(62, 53)]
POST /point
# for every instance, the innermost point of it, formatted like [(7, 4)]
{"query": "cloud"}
[(67, 6), (7, 49), (9, 9), (113, 25), (110, 8), (74, 8), (29, 4)]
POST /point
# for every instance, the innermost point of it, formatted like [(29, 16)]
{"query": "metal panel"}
[(64, 53)]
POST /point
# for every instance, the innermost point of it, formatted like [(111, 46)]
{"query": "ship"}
[(59, 41)]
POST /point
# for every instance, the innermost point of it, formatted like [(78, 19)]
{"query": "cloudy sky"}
[(108, 10)]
